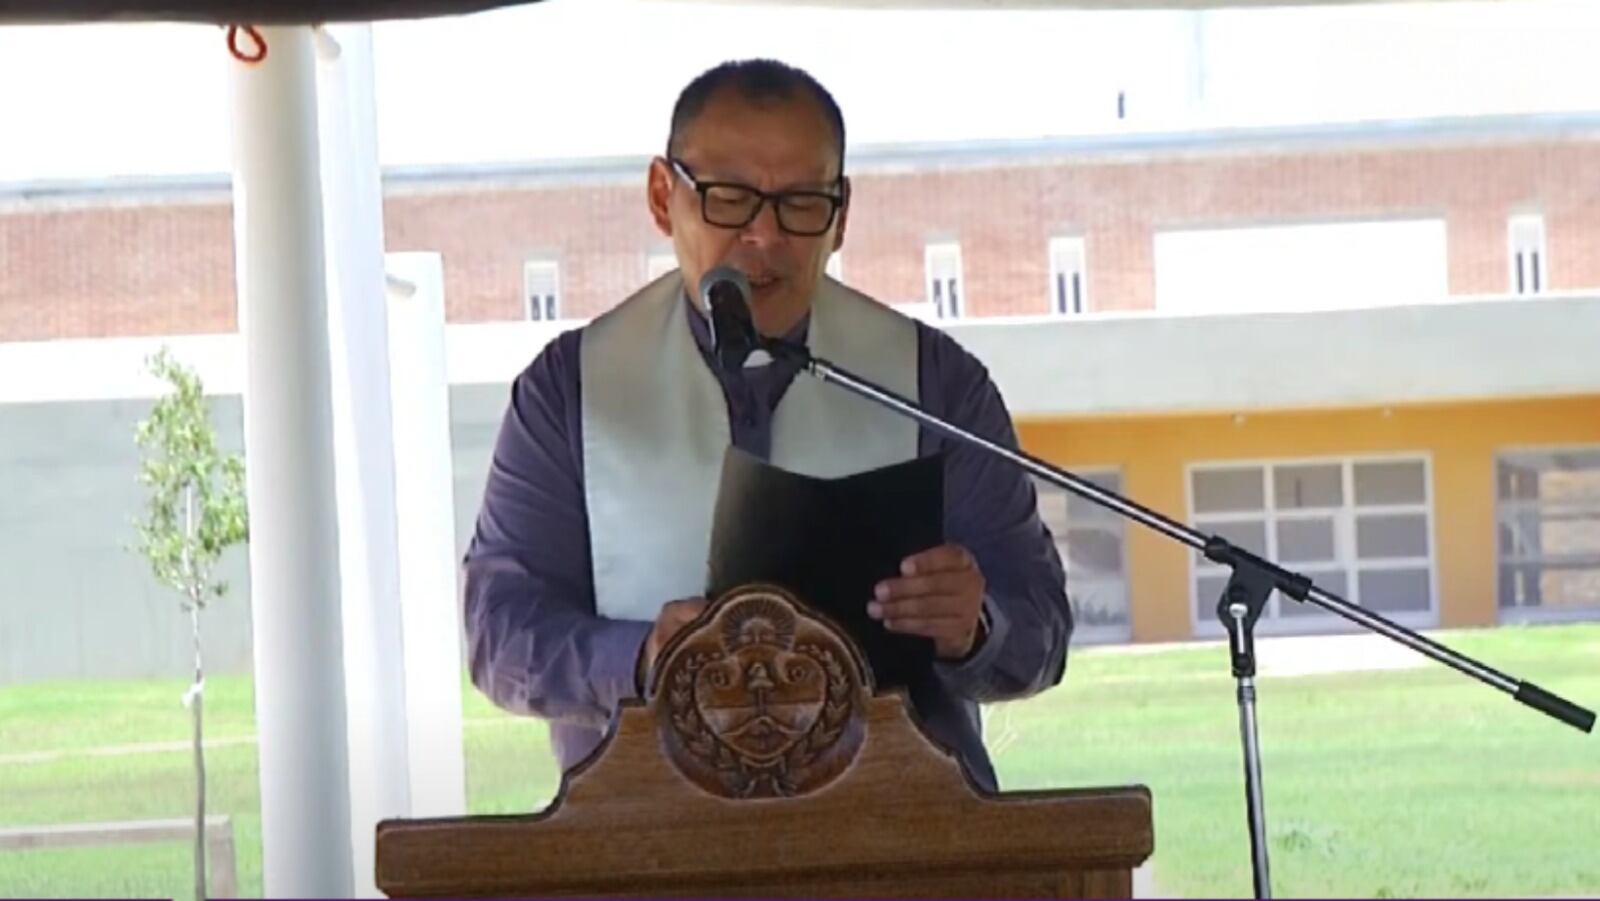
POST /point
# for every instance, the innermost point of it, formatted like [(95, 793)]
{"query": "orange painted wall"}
[(1461, 439)]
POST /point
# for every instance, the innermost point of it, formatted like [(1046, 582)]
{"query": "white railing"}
[(222, 880)]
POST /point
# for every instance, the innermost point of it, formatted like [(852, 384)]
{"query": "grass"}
[(1413, 783), (1418, 782)]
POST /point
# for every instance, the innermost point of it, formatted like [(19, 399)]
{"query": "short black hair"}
[(756, 80)]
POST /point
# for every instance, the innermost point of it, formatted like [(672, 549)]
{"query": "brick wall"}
[(124, 268), (117, 269)]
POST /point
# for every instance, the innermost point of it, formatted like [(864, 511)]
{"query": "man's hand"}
[(670, 621), (939, 595)]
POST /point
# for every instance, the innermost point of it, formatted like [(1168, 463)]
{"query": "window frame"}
[(1539, 614), (943, 308), (531, 269), (1540, 276), (1346, 559), (1105, 633), (1057, 304)]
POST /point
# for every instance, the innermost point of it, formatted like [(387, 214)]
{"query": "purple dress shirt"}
[(536, 645)]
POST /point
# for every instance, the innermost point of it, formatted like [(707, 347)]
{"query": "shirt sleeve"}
[(535, 643), (991, 508)]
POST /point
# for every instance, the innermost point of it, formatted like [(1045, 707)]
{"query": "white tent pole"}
[(364, 447), (425, 496), (294, 563)]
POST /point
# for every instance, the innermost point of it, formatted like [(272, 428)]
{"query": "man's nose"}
[(763, 230)]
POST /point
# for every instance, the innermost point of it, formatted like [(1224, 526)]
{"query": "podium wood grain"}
[(904, 821), (763, 766)]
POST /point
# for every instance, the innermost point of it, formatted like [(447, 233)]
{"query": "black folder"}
[(829, 542)]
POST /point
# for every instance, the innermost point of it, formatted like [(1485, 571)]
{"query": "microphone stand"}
[(1251, 583)]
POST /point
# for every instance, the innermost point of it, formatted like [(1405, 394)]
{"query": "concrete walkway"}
[(1298, 655)]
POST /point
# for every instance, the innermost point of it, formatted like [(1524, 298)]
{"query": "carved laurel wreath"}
[(835, 710)]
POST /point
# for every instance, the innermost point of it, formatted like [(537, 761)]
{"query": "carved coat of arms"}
[(762, 700)]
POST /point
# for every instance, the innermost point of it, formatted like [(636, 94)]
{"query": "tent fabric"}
[(290, 12), (227, 12)]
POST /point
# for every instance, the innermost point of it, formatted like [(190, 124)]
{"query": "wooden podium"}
[(761, 765)]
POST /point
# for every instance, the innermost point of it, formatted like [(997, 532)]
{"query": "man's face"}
[(774, 146)]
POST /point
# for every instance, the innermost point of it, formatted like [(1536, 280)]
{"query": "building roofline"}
[(1146, 364), (884, 158)]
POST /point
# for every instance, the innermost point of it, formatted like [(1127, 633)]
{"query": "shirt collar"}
[(700, 327)]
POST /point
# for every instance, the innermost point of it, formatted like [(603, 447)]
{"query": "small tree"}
[(194, 511)]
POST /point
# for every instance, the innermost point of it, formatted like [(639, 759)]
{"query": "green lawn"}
[(1417, 782)]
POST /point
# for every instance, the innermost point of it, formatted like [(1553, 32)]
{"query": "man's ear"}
[(844, 213), (658, 194)]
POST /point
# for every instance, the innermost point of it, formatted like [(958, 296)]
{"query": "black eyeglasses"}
[(729, 204)]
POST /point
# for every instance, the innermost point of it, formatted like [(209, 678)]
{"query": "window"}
[(1285, 268), (659, 264), (1526, 237), (541, 290), (835, 267), (1092, 543), (943, 263), (1067, 276), (1360, 528), (1548, 531)]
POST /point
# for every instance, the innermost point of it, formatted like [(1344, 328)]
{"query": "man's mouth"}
[(761, 282)]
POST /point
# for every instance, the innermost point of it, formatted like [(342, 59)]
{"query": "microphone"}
[(725, 293)]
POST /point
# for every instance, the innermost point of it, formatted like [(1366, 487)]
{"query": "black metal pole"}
[(1252, 582), (1292, 584)]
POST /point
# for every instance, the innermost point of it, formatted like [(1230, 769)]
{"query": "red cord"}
[(240, 55)]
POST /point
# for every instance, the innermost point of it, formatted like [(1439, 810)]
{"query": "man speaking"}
[(591, 546)]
